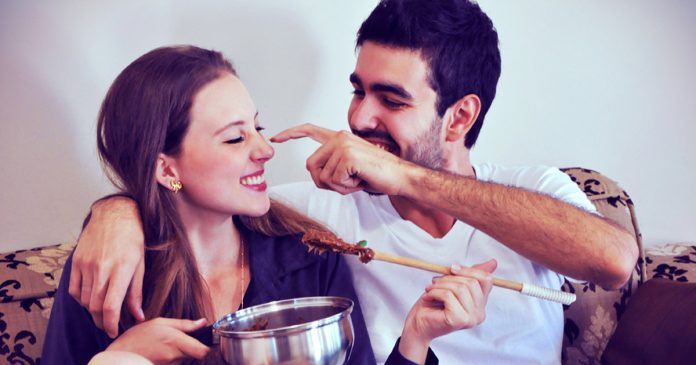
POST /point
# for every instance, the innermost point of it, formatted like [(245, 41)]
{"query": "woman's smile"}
[(255, 181)]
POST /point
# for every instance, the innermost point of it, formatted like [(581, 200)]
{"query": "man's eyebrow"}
[(354, 79), (383, 87), (391, 88), (233, 124)]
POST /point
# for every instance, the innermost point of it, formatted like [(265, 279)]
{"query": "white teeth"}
[(254, 180)]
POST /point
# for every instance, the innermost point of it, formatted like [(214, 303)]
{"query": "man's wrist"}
[(120, 202), (116, 206), (413, 179)]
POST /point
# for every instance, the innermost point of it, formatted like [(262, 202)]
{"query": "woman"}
[(179, 134)]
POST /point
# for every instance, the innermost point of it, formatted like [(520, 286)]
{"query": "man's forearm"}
[(548, 231)]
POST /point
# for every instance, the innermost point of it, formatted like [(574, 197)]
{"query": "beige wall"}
[(605, 85)]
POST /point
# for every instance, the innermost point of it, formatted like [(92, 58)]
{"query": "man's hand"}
[(162, 341), (347, 163), (108, 262), (450, 303)]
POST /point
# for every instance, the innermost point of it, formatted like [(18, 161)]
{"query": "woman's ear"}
[(165, 171), (461, 116)]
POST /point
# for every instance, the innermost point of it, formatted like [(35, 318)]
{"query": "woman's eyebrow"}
[(233, 124), (227, 126)]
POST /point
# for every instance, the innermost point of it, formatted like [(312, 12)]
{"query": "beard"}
[(427, 151)]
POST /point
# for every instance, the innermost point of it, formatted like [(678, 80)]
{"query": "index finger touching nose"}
[(312, 131)]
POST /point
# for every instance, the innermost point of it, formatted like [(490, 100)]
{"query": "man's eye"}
[(391, 104), (235, 140), (358, 93)]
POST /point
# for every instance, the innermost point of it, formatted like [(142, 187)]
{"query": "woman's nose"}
[(262, 151)]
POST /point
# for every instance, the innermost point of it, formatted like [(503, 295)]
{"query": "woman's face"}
[(221, 163)]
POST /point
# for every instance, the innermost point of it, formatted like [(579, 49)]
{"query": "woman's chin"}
[(257, 210)]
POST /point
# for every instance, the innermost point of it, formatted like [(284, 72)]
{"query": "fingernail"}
[(142, 314), (455, 268)]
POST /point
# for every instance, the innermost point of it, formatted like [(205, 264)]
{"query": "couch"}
[(29, 278)]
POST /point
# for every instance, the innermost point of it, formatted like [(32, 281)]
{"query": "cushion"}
[(591, 320), (673, 261), (28, 281), (658, 326)]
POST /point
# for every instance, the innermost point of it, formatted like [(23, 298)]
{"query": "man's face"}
[(393, 105)]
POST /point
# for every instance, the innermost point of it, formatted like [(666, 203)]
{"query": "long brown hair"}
[(146, 112)]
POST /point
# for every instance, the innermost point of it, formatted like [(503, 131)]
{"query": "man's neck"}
[(435, 222)]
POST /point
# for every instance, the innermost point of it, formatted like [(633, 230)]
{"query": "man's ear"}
[(461, 116), (165, 170)]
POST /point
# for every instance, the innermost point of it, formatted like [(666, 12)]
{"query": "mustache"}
[(384, 136)]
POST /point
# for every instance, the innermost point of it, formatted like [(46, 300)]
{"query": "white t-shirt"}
[(518, 329)]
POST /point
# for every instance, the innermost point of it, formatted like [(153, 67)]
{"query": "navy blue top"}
[(281, 268)]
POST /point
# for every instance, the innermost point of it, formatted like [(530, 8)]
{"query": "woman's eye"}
[(260, 129), (235, 140)]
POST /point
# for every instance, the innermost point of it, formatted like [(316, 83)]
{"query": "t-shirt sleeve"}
[(543, 179), (558, 184), (339, 282), (71, 336)]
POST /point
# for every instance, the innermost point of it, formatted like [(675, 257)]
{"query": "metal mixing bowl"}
[(311, 331)]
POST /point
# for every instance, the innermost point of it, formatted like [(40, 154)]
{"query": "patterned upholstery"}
[(592, 319), (29, 278), (28, 281)]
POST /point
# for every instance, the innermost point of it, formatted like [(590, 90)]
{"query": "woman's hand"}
[(118, 357), (162, 341), (452, 302)]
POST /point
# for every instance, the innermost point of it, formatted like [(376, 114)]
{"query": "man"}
[(425, 77)]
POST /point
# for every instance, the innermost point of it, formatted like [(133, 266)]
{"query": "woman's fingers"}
[(187, 345), (463, 306), (183, 325), (190, 347), (462, 296), (444, 308), (170, 335)]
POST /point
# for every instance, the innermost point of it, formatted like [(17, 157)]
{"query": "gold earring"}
[(175, 185)]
